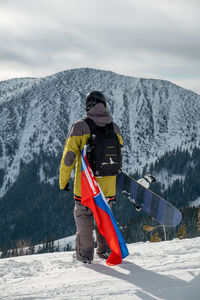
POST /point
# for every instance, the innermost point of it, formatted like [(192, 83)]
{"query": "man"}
[(77, 138)]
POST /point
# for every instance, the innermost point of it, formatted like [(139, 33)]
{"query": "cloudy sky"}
[(141, 38)]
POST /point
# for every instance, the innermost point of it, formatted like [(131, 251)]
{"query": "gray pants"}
[(84, 233)]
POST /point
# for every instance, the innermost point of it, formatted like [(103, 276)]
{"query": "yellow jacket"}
[(77, 138)]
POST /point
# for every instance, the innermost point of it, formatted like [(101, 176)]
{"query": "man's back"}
[(77, 138)]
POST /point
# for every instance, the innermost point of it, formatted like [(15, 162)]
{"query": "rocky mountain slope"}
[(36, 114)]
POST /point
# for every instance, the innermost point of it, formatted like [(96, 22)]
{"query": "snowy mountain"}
[(155, 116), (165, 270), (36, 114)]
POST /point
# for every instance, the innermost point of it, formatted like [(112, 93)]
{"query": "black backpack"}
[(103, 149)]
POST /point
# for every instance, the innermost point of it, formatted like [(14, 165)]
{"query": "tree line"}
[(33, 210), (23, 247)]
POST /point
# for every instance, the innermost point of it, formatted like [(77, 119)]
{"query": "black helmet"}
[(93, 98)]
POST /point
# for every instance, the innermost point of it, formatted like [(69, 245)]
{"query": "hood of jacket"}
[(99, 115)]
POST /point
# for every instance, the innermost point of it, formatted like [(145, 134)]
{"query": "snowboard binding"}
[(146, 180)]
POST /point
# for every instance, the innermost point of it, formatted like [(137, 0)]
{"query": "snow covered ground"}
[(165, 270)]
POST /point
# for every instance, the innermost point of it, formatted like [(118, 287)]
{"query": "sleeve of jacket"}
[(117, 131), (71, 149)]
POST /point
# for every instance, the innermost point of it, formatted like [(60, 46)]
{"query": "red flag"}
[(92, 197)]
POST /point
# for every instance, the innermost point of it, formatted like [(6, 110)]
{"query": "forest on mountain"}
[(35, 211), (180, 186)]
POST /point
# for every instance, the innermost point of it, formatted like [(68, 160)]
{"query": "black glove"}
[(67, 187)]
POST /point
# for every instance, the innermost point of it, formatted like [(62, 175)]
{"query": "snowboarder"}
[(78, 136)]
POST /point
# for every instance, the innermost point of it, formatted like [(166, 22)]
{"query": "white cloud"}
[(141, 38)]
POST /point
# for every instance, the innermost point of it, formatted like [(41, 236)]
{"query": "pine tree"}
[(4, 252), (198, 222), (182, 232), (14, 252), (155, 238), (31, 249)]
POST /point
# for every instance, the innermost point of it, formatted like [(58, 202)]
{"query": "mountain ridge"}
[(154, 116)]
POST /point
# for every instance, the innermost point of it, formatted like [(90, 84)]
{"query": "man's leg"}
[(84, 232), (103, 250)]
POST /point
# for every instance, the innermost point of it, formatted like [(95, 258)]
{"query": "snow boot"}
[(104, 255)]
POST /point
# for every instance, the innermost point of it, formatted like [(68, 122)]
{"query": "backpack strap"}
[(91, 124)]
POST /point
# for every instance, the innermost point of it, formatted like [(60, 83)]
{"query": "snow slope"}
[(195, 203), (166, 270), (36, 114)]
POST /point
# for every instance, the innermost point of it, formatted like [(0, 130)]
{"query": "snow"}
[(165, 270), (195, 203), (154, 116), (168, 179), (63, 243)]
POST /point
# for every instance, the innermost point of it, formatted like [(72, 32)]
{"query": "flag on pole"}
[(93, 197)]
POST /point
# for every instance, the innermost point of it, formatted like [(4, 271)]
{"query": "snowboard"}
[(143, 198)]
